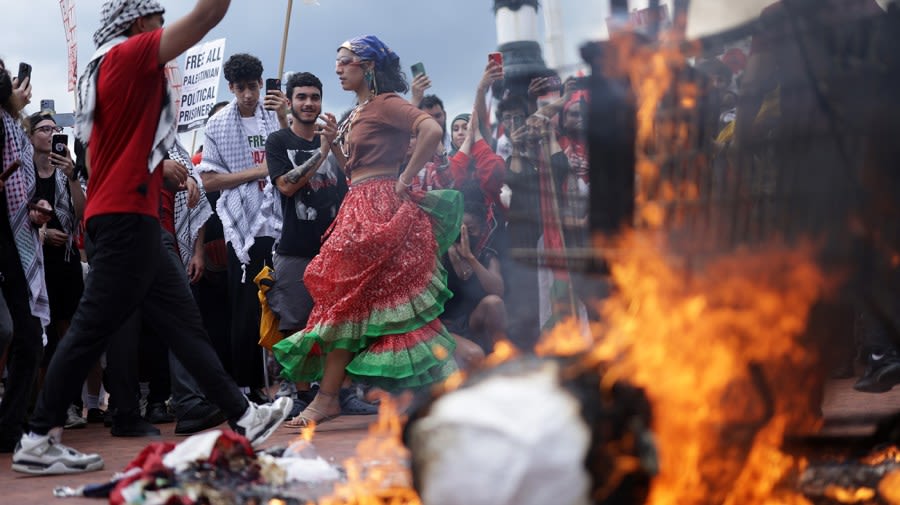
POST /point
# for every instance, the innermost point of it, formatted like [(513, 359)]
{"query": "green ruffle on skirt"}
[(428, 360), (445, 206)]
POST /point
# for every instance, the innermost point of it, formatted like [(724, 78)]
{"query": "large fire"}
[(717, 344), (721, 358)]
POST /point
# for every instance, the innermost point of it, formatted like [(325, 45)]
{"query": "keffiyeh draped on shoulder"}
[(19, 190), (188, 221), (245, 211), (117, 16)]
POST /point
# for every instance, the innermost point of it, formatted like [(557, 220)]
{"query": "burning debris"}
[(872, 480), (533, 431)]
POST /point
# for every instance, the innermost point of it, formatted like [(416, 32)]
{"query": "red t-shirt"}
[(167, 210), (130, 91)]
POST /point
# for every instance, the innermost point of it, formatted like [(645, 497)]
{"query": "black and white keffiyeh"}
[(117, 17), (19, 189), (245, 211), (188, 221)]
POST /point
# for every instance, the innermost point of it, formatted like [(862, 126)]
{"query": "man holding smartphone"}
[(234, 162), (124, 84)]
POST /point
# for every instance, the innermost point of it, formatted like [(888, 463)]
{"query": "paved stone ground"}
[(846, 412)]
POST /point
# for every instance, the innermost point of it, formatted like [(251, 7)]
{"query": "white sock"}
[(92, 401)]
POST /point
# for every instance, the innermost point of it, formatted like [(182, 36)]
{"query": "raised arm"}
[(190, 29), (493, 72)]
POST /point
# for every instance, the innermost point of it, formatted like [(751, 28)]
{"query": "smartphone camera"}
[(273, 85), (517, 122), (59, 141), (417, 69), (24, 72), (580, 83)]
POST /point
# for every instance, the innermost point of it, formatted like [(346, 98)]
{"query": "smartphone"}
[(11, 169), (580, 83), (517, 122), (48, 105), (496, 57), (273, 85), (24, 71), (59, 142), (46, 212), (417, 69)]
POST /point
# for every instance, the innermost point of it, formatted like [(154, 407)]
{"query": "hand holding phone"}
[(42, 210), (496, 57)]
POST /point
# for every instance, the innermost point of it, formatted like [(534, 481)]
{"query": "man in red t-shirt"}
[(123, 86)]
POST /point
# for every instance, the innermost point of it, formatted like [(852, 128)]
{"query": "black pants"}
[(136, 352), (23, 333), (131, 270), (246, 354)]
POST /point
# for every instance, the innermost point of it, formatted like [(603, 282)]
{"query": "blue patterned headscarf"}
[(369, 47)]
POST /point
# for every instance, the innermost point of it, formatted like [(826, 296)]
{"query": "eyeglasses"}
[(48, 129), (343, 61)]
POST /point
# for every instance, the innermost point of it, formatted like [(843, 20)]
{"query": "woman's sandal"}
[(307, 417), (310, 415)]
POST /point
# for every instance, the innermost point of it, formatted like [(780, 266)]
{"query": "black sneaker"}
[(882, 373), (200, 418), (158, 413), (95, 415), (45, 455), (133, 426), (353, 405)]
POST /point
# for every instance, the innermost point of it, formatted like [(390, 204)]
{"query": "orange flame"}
[(845, 495), (378, 474), (504, 350), (889, 488), (888, 454), (700, 345)]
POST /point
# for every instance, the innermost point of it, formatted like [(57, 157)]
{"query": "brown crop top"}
[(380, 133)]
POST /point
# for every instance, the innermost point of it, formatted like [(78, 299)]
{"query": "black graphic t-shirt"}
[(310, 211)]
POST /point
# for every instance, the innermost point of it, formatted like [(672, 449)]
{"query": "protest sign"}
[(200, 84)]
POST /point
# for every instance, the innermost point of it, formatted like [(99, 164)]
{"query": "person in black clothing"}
[(24, 306), (476, 315), (308, 204), (56, 181)]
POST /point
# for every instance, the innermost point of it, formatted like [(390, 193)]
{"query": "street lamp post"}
[(517, 35)]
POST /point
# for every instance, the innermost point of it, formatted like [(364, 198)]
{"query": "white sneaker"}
[(260, 421), (74, 419), (45, 455)]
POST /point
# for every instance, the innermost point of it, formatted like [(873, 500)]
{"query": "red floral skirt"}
[(379, 287)]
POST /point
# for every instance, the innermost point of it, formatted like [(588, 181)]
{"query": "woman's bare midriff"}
[(368, 173)]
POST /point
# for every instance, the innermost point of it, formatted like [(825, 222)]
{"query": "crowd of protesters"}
[(388, 244)]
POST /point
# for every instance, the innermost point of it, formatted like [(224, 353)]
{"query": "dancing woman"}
[(378, 284)]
